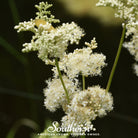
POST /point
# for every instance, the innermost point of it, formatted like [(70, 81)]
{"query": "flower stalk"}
[(116, 59), (83, 82), (61, 79)]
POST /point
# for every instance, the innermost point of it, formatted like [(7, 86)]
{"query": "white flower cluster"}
[(82, 62), (92, 102), (54, 43), (128, 11), (55, 94), (50, 42), (87, 105)]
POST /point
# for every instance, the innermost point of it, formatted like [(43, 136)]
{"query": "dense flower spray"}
[(82, 62), (50, 42), (81, 105)]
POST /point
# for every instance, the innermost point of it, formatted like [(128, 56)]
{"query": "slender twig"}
[(83, 82), (60, 76), (116, 59)]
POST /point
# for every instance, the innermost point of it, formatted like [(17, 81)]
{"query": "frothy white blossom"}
[(87, 105), (50, 42), (82, 61), (55, 96)]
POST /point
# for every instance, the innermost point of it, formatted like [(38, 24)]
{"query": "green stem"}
[(116, 59), (83, 82), (60, 76)]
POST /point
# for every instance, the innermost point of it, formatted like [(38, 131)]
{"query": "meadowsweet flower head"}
[(55, 94), (83, 61), (50, 42), (87, 105), (91, 103), (54, 43)]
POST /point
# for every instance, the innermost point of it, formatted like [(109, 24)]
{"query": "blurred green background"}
[(22, 76)]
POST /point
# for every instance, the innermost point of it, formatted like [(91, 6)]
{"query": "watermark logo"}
[(71, 129)]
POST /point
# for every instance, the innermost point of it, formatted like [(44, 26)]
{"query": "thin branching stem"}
[(83, 82), (60, 76), (116, 59)]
